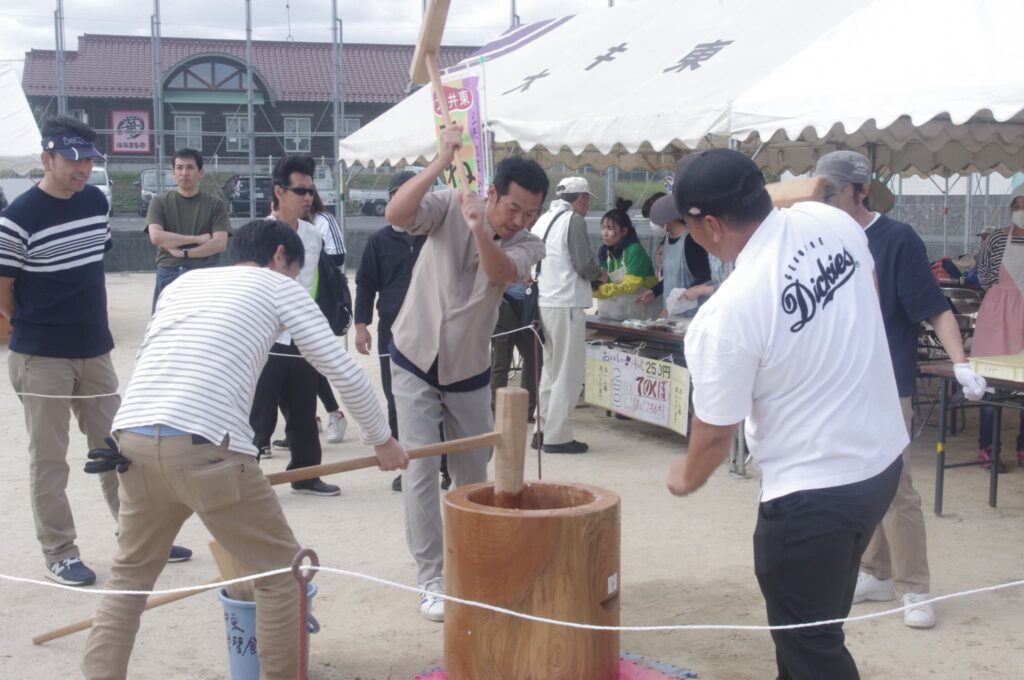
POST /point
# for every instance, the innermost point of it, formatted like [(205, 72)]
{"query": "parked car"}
[(236, 193), (101, 180), (148, 188), (373, 201)]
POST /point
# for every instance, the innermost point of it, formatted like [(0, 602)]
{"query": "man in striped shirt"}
[(184, 425), (52, 287)]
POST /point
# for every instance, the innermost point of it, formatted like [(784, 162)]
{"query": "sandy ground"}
[(683, 561)]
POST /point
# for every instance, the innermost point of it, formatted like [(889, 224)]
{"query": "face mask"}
[(1018, 218)]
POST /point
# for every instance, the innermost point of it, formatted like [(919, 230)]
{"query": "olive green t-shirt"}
[(200, 214)]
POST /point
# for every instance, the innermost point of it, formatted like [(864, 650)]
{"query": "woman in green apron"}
[(629, 267)]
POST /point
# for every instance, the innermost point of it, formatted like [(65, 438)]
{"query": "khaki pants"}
[(899, 548), (47, 421), (168, 480), (565, 363)]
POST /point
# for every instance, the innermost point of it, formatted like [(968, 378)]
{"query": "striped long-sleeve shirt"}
[(991, 258), (206, 345)]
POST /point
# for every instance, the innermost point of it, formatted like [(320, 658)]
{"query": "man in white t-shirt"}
[(793, 343), (288, 381)]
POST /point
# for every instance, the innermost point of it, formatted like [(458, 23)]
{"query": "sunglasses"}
[(300, 191)]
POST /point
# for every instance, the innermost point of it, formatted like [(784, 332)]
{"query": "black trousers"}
[(326, 394), (288, 382), (383, 342), (807, 550), (509, 319)]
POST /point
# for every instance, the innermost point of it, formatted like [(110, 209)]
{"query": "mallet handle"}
[(85, 624), (446, 116), (454, 446)]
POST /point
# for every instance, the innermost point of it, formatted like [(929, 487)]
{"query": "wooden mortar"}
[(556, 556)]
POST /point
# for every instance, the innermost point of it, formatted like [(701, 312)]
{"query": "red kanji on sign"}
[(457, 98)]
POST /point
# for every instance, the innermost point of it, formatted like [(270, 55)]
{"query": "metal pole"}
[(62, 89), (945, 215), (968, 209), (249, 111), (339, 112), (513, 20), (158, 97)]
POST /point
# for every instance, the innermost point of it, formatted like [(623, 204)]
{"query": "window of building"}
[(296, 134), (237, 128), (188, 131), (349, 125), (208, 75)]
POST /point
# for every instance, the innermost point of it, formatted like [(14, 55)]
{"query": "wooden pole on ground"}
[(424, 68), (510, 416), (153, 602)]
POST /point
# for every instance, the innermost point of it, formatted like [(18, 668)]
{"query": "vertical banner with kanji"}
[(132, 131), (463, 98)]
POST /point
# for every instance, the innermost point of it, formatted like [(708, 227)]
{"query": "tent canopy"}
[(921, 86), (19, 134)]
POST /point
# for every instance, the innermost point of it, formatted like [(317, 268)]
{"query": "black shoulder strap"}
[(536, 271)]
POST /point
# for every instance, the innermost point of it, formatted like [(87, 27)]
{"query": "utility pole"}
[(62, 88), (158, 97), (339, 110), (250, 116)]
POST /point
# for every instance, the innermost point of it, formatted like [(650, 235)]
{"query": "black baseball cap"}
[(717, 182), (398, 179)]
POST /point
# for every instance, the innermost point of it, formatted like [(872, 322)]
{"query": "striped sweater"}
[(206, 345)]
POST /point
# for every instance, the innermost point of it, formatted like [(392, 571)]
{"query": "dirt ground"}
[(683, 561)]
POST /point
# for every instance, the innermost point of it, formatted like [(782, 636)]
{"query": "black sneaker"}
[(568, 447), (264, 452), (316, 487), (535, 442), (396, 483), (446, 481), (179, 554), (71, 571), (282, 444)]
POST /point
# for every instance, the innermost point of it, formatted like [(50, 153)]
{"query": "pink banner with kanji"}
[(463, 99)]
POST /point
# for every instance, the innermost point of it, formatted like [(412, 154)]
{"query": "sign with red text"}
[(132, 131), (645, 389), (463, 99)]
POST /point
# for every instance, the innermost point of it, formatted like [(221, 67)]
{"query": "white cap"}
[(573, 185)]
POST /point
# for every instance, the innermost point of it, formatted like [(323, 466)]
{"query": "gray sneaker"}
[(71, 571)]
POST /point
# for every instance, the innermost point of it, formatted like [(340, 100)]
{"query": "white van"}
[(101, 180)]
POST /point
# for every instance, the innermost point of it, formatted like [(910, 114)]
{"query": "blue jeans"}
[(988, 414), (165, 275)]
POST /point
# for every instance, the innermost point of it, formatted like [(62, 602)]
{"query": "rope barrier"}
[(515, 614)]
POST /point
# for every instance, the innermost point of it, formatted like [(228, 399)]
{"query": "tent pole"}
[(249, 110), (968, 209), (58, 28), (945, 215)]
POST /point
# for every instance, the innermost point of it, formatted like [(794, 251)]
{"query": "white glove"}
[(974, 385)]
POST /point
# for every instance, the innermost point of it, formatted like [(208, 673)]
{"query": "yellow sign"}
[(645, 389)]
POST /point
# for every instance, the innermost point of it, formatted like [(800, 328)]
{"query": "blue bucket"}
[(240, 626)]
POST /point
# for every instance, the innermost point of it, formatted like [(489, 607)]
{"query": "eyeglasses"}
[(300, 191)]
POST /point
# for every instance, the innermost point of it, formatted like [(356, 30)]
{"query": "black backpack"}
[(333, 296)]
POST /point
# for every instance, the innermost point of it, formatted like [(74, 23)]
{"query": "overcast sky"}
[(30, 25)]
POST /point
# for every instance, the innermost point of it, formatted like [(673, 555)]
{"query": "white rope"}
[(515, 614), (65, 396)]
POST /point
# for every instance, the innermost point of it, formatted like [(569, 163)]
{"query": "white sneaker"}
[(336, 426), (431, 606), (872, 589), (919, 615)]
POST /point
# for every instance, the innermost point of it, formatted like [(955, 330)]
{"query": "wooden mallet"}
[(425, 69)]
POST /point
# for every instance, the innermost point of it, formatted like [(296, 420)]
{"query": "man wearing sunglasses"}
[(287, 379)]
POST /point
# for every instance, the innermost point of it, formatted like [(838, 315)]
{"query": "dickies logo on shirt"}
[(812, 291)]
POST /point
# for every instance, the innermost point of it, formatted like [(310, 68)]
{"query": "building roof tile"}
[(120, 66)]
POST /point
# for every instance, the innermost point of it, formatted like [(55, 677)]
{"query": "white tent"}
[(922, 86), (19, 135)]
